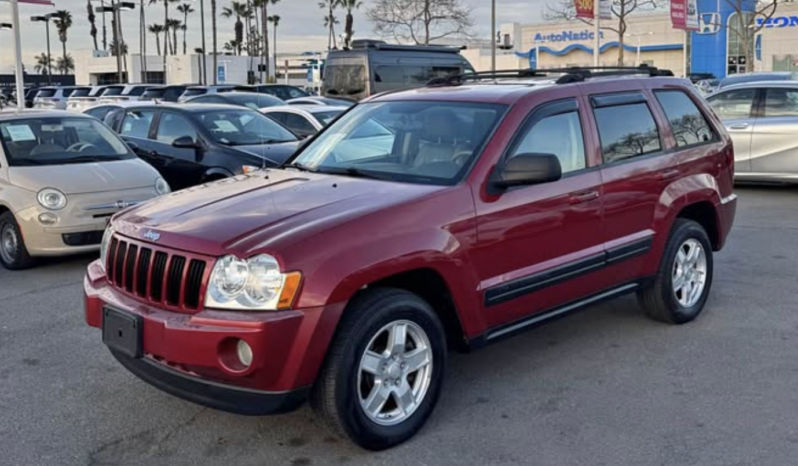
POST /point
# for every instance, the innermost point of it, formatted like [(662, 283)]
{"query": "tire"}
[(13, 253), (665, 300), (342, 383)]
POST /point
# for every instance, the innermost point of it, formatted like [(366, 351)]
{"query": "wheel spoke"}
[(678, 281), (371, 362), (404, 397), (687, 291), (376, 399), (417, 359), (681, 257), (397, 339)]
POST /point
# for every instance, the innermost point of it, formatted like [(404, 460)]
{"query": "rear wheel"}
[(383, 374), (13, 253), (682, 285)]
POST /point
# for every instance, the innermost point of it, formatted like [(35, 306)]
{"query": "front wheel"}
[(384, 372), (13, 253), (682, 285)]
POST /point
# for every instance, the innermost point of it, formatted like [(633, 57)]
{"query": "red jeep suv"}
[(449, 216)]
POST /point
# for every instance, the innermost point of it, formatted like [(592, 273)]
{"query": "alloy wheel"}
[(689, 273)]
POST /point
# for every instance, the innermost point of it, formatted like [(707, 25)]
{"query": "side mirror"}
[(528, 169), (185, 142)]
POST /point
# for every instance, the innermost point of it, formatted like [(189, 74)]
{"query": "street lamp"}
[(639, 35), (5, 27), (114, 9), (46, 20)]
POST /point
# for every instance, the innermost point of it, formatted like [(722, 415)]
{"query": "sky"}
[(301, 28)]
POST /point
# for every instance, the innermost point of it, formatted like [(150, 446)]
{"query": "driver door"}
[(182, 167)]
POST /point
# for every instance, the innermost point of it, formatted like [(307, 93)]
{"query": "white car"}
[(55, 97), (303, 120), (80, 101), (123, 92), (316, 100)]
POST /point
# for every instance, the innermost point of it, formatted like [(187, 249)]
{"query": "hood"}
[(81, 178), (278, 153), (263, 211)]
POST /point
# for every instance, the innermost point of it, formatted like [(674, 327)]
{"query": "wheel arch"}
[(705, 214)]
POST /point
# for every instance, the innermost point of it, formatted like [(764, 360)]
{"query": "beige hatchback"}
[(62, 177)]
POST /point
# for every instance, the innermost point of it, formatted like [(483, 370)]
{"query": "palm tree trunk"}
[(213, 28), (64, 54), (143, 42), (158, 43), (265, 20), (165, 36), (185, 26), (174, 39)]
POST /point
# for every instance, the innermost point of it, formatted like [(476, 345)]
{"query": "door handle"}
[(739, 126), (152, 153), (667, 174), (582, 197)]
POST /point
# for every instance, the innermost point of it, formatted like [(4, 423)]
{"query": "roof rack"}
[(571, 74), (382, 45)]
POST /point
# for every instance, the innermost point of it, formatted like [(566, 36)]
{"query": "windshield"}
[(344, 79), (243, 128), (194, 91), (755, 77), (421, 142), (254, 101), (326, 117), (150, 94), (49, 92), (60, 140), (80, 92), (113, 90)]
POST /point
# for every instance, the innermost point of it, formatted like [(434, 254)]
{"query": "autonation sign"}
[(567, 36), (778, 22)]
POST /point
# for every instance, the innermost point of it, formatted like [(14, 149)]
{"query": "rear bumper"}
[(213, 395), (727, 210), (193, 356)]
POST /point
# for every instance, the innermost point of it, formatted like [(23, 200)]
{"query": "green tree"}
[(43, 64), (330, 20), (238, 10), (156, 29), (173, 25), (350, 6), (185, 8), (275, 20), (65, 64), (63, 21), (92, 23)]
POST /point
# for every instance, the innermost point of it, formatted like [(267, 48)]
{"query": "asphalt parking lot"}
[(604, 387)]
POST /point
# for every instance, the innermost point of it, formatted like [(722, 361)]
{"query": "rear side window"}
[(137, 91), (46, 93), (781, 102), (626, 130), (733, 104), (137, 123), (299, 124), (688, 124)]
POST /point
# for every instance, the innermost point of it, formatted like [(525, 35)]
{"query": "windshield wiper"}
[(354, 172), (89, 158), (298, 166)]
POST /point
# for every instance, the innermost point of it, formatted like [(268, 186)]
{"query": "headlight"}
[(52, 199), (256, 284), (247, 169), (162, 187), (109, 232)]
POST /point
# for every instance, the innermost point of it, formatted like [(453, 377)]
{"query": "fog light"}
[(244, 353), (48, 219)]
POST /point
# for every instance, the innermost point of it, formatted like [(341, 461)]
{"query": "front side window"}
[(299, 124), (243, 128), (417, 142), (733, 104), (559, 135), (172, 126), (99, 112), (137, 123), (781, 102), (194, 91), (688, 124), (56, 141), (626, 131)]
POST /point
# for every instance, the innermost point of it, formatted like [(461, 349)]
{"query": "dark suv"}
[(191, 144), (482, 210)]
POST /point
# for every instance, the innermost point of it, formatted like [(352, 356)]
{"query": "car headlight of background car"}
[(109, 232), (52, 199), (254, 284), (162, 187)]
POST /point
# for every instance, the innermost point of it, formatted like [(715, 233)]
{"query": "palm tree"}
[(350, 5), (330, 21), (215, 50), (264, 13), (173, 25), (63, 21), (43, 64), (185, 8), (92, 23), (157, 29), (275, 20), (65, 64), (238, 10), (122, 48), (232, 46)]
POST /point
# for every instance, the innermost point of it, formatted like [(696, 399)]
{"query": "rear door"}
[(737, 109), (774, 140)]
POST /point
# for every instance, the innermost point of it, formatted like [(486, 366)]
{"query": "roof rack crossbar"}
[(569, 75)]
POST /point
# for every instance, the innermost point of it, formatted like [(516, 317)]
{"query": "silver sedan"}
[(762, 119)]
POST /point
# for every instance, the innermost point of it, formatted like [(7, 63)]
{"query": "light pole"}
[(204, 73), (114, 9), (537, 52), (638, 35), (493, 35), (6, 27), (46, 20)]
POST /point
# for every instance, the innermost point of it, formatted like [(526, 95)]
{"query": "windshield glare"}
[(243, 128), (54, 141), (437, 141)]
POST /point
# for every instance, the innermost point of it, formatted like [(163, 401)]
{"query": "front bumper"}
[(189, 355)]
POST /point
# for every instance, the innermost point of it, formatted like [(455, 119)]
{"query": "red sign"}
[(684, 14), (584, 9)]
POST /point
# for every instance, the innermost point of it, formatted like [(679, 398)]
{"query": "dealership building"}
[(651, 39)]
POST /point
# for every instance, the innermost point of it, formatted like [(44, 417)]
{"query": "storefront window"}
[(738, 32)]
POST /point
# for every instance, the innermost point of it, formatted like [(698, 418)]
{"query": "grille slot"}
[(175, 279), (144, 270), (109, 259), (196, 269), (158, 271), (130, 266), (119, 262)]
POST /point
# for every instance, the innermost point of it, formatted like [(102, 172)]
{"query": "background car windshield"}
[(255, 101), (326, 117), (55, 141), (344, 79), (243, 128), (422, 142)]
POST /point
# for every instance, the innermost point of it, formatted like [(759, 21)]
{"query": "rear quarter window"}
[(687, 122), (626, 130)]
